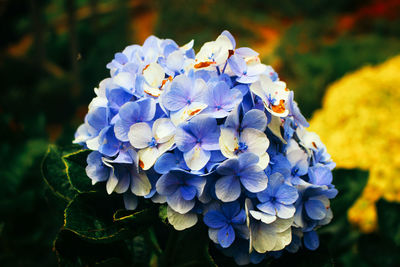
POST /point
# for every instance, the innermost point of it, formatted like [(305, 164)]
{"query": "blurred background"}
[(339, 57)]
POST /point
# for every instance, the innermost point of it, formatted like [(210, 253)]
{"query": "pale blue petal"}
[(147, 109), (167, 184), (320, 175), (267, 207), (175, 61), (97, 118), (246, 52), (255, 119), (196, 158), (315, 209), (184, 140), (178, 95), (286, 194), (140, 135), (227, 188), (284, 211), (254, 179), (247, 159), (230, 37), (129, 112), (229, 167), (237, 64), (179, 204)]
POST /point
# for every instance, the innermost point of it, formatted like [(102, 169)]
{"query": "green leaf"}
[(320, 257), (54, 173), (377, 250), (90, 215), (72, 250), (389, 220), (339, 236), (162, 214), (350, 184), (144, 216), (75, 163), (187, 248)]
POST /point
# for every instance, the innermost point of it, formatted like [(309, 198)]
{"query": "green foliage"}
[(388, 220), (54, 173), (97, 230), (75, 168)]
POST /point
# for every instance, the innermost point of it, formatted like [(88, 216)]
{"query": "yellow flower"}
[(360, 125)]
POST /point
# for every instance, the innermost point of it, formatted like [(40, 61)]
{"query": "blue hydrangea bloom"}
[(224, 221), (236, 172), (180, 188), (215, 136), (278, 198), (196, 139)]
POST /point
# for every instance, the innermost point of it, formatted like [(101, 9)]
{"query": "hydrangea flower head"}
[(214, 135)]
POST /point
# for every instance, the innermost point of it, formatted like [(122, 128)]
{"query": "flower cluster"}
[(215, 135)]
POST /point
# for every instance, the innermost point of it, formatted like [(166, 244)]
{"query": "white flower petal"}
[(283, 239), (140, 184), (140, 135), (111, 183), (261, 216), (147, 157), (186, 113), (154, 75), (256, 141), (197, 158), (124, 80), (228, 142), (263, 161), (164, 147), (93, 144), (181, 221), (163, 130)]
